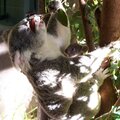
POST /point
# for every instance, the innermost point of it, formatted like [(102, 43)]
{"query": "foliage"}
[(92, 6), (75, 22), (77, 25), (31, 115), (115, 67), (116, 113), (61, 16)]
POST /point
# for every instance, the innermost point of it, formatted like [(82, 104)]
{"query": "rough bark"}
[(110, 22), (109, 27)]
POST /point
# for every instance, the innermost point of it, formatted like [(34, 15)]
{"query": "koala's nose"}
[(35, 21), (32, 24)]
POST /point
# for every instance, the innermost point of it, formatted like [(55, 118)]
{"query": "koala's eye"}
[(73, 49)]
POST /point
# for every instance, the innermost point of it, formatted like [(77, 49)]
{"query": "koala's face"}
[(24, 34), (36, 23)]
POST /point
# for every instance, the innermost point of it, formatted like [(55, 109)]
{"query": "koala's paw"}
[(100, 75)]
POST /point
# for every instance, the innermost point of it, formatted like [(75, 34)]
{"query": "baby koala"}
[(75, 50)]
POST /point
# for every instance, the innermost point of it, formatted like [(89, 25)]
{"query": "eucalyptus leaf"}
[(62, 17)]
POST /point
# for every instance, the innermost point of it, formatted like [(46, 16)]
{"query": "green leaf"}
[(115, 113), (62, 17)]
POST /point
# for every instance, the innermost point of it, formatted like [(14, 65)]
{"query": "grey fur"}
[(68, 108)]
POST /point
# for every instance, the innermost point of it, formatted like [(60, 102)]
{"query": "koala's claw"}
[(101, 74)]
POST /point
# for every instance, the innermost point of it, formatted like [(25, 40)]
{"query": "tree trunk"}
[(110, 22), (41, 6), (108, 96), (109, 31)]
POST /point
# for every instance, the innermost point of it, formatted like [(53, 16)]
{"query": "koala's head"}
[(25, 38), (25, 34)]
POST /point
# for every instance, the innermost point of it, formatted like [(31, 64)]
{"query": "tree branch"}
[(86, 24)]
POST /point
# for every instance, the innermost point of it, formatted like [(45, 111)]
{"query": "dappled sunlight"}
[(67, 86), (82, 98), (47, 78), (94, 102), (3, 48)]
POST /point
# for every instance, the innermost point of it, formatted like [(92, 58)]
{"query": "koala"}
[(65, 87), (75, 50)]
